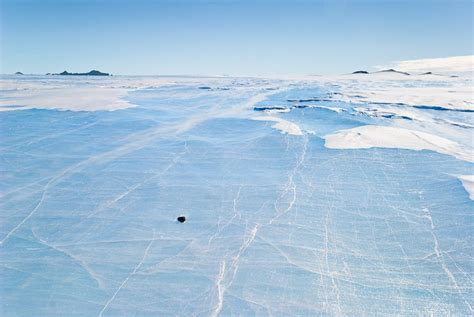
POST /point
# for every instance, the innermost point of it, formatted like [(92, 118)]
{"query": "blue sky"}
[(228, 36)]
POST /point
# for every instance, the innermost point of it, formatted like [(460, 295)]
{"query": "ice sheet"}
[(277, 224)]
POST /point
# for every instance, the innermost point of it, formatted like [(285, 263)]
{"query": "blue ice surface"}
[(276, 224)]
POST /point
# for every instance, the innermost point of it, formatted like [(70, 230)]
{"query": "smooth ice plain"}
[(307, 196)]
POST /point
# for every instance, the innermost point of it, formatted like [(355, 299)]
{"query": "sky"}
[(228, 37)]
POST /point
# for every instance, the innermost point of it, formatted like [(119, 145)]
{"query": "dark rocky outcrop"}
[(91, 73), (360, 72), (391, 70), (18, 73), (181, 219)]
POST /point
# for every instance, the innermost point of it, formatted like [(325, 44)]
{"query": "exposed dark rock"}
[(361, 72), (91, 73), (427, 73), (205, 87), (391, 70), (18, 73), (181, 219)]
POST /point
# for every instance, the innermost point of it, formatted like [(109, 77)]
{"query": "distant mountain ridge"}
[(91, 73), (394, 71), (391, 70)]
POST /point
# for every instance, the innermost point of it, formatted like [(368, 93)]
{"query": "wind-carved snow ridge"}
[(281, 124), (390, 137), (468, 183)]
